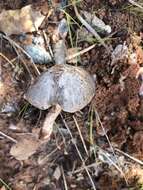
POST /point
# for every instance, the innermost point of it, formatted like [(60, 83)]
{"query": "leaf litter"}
[(10, 20), (62, 161)]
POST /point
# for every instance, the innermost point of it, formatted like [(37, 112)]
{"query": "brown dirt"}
[(116, 101)]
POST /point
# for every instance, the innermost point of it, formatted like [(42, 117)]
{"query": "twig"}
[(69, 57), (47, 44), (115, 165), (98, 118), (81, 168), (64, 179), (131, 157), (89, 28), (80, 52), (8, 137), (46, 17), (3, 182), (3, 56), (80, 134), (135, 4)]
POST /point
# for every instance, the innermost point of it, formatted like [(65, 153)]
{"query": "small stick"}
[(64, 179), (80, 134), (47, 44), (114, 164), (131, 157), (46, 17), (93, 165), (135, 3), (80, 52), (69, 57), (4, 57), (8, 137)]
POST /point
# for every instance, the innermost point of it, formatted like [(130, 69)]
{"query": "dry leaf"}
[(26, 146), (20, 20), (96, 22)]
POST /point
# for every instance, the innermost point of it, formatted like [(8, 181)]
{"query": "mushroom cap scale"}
[(69, 86)]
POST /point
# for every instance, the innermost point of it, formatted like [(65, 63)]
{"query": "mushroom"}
[(62, 87)]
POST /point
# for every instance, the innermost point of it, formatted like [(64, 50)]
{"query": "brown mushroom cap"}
[(69, 86)]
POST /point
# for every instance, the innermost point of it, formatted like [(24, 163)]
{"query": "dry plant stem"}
[(46, 18), (115, 165), (135, 4), (47, 44), (80, 52), (8, 137), (64, 179), (93, 165), (89, 28), (14, 44), (49, 121), (80, 134), (4, 57), (131, 157), (69, 57)]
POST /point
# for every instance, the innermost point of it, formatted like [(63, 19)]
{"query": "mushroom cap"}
[(69, 86)]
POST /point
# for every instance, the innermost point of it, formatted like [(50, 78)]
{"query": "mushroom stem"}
[(49, 122)]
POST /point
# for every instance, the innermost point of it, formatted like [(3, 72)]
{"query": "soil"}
[(111, 125)]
